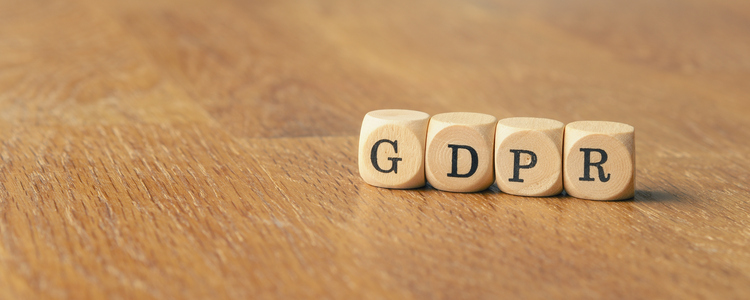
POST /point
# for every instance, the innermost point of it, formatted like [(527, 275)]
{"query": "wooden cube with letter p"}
[(599, 160), (459, 152), (528, 156), (392, 148)]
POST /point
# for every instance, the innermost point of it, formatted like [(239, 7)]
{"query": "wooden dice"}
[(528, 156), (392, 148), (467, 152), (599, 160), (459, 151)]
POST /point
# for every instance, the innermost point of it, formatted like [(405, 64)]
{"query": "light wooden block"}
[(392, 148), (599, 160), (459, 151), (528, 156)]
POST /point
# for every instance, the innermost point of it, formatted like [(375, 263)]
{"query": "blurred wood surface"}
[(207, 149)]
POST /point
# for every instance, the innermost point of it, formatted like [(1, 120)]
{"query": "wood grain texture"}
[(207, 149)]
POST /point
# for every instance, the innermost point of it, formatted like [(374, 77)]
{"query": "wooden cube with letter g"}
[(392, 148)]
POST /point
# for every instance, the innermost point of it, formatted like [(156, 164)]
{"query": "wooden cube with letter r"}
[(392, 148), (599, 160)]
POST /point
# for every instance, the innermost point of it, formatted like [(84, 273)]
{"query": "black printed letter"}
[(587, 164), (374, 156), (517, 164), (474, 161)]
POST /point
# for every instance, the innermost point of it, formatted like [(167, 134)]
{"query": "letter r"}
[(587, 164)]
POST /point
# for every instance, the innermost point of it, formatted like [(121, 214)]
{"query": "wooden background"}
[(207, 148)]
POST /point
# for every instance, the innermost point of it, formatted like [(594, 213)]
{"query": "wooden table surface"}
[(206, 149)]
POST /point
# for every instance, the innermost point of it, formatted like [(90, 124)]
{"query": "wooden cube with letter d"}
[(459, 151)]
